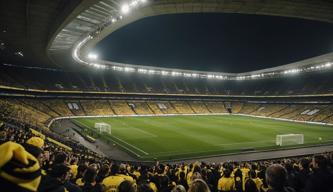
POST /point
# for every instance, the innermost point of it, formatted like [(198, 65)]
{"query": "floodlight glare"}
[(328, 64), (134, 3), (98, 66), (164, 72), (142, 70), (125, 9), (209, 76), (92, 56), (175, 73), (129, 69), (113, 20)]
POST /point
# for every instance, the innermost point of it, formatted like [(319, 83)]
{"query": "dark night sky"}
[(217, 42)]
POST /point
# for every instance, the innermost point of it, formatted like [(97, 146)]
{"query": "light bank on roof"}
[(93, 20)]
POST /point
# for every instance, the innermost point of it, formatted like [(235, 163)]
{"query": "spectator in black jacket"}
[(276, 178), (303, 175), (322, 178), (56, 179), (89, 180)]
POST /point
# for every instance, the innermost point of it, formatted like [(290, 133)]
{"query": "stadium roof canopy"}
[(56, 29), (27, 26)]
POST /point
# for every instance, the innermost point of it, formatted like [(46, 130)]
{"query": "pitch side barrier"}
[(185, 114)]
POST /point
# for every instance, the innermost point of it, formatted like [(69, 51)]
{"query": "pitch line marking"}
[(142, 151), (127, 148), (265, 141)]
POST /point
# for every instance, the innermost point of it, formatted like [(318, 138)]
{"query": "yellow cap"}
[(36, 141)]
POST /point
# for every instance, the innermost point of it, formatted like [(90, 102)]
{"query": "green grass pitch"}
[(176, 137)]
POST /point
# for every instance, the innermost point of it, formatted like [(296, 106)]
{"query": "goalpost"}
[(103, 127), (289, 139)]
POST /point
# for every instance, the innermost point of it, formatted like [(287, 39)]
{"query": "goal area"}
[(103, 127), (289, 139)]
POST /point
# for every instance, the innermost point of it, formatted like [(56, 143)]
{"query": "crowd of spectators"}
[(30, 163)]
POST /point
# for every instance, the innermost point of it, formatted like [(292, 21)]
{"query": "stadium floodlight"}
[(328, 65), (220, 77), (151, 71), (113, 20), (292, 71), (255, 76), (176, 73), (210, 76), (134, 3), (240, 77), (143, 71), (98, 66), (19, 53), (164, 72), (195, 75), (117, 68), (187, 74), (92, 56), (129, 69), (125, 8)]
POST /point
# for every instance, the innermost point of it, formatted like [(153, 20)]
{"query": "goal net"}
[(103, 127), (289, 139)]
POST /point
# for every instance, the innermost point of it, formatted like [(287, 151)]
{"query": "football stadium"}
[(166, 96)]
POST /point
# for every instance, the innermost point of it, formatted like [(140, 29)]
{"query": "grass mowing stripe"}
[(192, 136)]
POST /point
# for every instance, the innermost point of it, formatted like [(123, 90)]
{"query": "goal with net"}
[(289, 139), (103, 127)]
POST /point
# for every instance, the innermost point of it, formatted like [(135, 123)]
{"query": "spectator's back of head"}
[(227, 173), (60, 171), (250, 186), (276, 176), (145, 188), (305, 163), (182, 175), (60, 158), (199, 185), (196, 175), (90, 175), (320, 162), (179, 188), (114, 169), (126, 186), (253, 174)]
